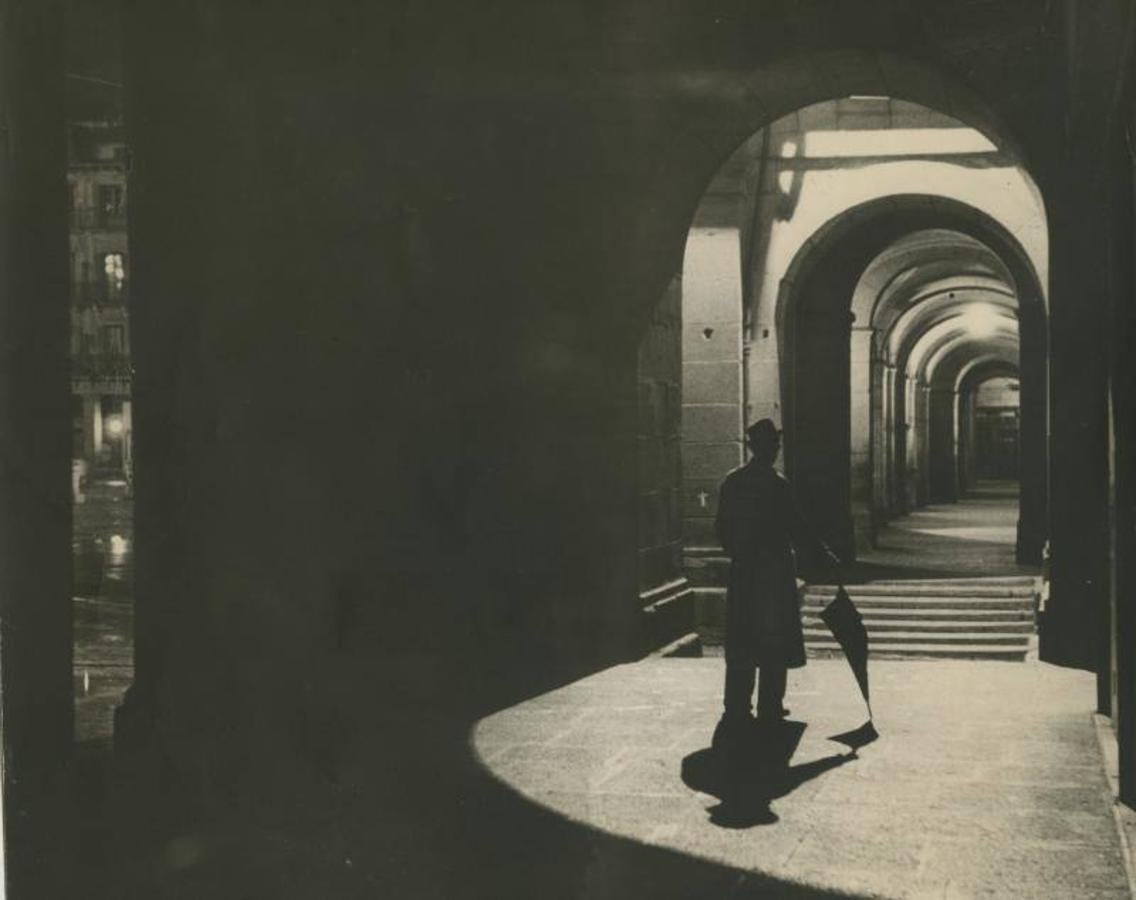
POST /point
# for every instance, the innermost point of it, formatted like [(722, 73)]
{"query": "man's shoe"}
[(775, 717)]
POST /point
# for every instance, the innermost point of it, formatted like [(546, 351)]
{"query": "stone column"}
[(92, 426), (1089, 48), (712, 419), (860, 438), (910, 446), (889, 441), (1033, 436), (943, 446), (127, 440), (924, 443), (966, 440), (1074, 629)]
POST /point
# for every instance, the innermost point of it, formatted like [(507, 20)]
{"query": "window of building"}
[(114, 339), (112, 202), (114, 274)]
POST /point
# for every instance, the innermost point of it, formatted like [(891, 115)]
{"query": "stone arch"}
[(715, 238), (829, 265), (970, 377)]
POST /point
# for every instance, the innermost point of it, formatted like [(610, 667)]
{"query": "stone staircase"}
[(974, 618), (961, 618)]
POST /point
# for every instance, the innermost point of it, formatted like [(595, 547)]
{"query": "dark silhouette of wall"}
[(35, 409)]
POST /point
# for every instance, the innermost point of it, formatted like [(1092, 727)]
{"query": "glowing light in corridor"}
[(981, 320)]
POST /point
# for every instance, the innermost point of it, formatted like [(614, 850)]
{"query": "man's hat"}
[(763, 431)]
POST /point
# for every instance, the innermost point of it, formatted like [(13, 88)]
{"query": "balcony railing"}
[(97, 293), (90, 363), (96, 219)]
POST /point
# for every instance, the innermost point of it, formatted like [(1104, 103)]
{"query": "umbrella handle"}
[(834, 566)]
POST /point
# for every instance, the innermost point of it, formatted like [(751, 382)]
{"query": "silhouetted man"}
[(760, 528)]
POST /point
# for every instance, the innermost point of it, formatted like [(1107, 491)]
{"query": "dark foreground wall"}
[(35, 432)]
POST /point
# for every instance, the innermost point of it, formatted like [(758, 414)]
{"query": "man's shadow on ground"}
[(746, 776)]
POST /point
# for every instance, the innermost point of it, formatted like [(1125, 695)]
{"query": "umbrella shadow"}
[(747, 777), (857, 737)]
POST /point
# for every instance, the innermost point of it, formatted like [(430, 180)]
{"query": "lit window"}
[(115, 267), (114, 274)]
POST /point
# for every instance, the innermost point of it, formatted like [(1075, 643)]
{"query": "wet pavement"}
[(103, 602), (987, 780)]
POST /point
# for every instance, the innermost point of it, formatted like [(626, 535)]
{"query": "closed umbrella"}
[(847, 626)]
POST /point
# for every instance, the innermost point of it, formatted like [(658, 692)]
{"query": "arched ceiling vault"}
[(943, 368), (931, 309), (936, 296), (902, 270), (951, 332), (931, 281), (982, 368)]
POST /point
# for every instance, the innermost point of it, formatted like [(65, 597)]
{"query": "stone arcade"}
[(426, 289)]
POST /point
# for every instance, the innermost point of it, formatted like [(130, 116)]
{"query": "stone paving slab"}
[(987, 780)]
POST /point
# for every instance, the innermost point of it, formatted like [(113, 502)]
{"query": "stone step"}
[(822, 635), (935, 608), (924, 589), (922, 614), (832, 650), (924, 603), (999, 580), (1014, 653), (943, 626)]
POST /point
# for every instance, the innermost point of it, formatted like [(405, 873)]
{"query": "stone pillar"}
[(92, 426), (1123, 469), (664, 593), (889, 436), (1073, 629), (1089, 49), (925, 443), (1033, 435), (127, 440), (878, 446), (943, 448), (966, 440), (910, 445), (712, 421), (860, 444)]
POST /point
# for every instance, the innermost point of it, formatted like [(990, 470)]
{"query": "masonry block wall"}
[(659, 444), (712, 405)]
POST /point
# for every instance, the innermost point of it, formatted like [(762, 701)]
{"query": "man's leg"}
[(740, 677), (771, 692)]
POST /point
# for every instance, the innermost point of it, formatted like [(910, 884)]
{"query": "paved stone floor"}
[(103, 603), (987, 779), (970, 538)]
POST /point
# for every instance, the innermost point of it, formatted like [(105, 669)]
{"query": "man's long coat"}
[(759, 525)]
